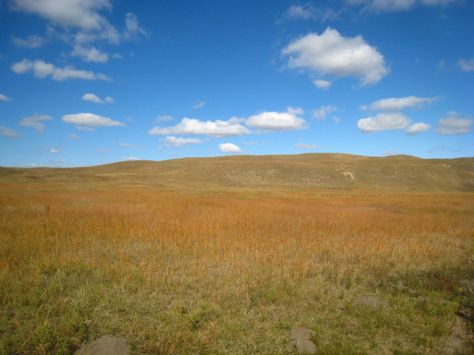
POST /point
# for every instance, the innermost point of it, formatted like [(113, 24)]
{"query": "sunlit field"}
[(232, 272)]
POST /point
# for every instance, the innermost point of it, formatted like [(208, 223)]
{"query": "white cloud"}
[(303, 12), (195, 126), (131, 158), (277, 121), (33, 41), (229, 148), (453, 124), (41, 69), (178, 141), (93, 98), (82, 14), (4, 97), (90, 54), (397, 104), (417, 127), (88, 121), (8, 132), (396, 5), (53, 150), (438, 2), (297, 111), (335, 55), (322, 84), (323, 111), (35, 121), (308, 146), (78, 23), (199, 105), (132, 27), (466, 65), (383, 121), (164, 118), (384, 5)]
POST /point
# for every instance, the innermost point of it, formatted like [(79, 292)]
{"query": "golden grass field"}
[(232, 271)]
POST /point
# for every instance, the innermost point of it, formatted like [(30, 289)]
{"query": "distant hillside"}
[(305, 171)]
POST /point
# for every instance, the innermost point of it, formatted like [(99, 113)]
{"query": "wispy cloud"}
[(42, 69), (179, 141), (453, 124), (35, 121), (398, 103), (198, 105), (8, 132)]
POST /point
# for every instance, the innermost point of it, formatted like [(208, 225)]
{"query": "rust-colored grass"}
[(223, 272)]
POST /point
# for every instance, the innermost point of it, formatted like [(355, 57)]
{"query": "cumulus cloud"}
[(321, 113), (90, 121), (453, 124), (332, 54), (41, 69), (4, 97), (93, 98), (8, 132), (277, 121), (397, 104), (198, 105), (178, 141), (322, 84), (308, 146), (466, 65), (195, 126), (383, 121), (229, 148), (35, 121), (417, 128), (31, 42)]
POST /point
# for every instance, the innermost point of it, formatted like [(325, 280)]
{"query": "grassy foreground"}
[(232, 272)]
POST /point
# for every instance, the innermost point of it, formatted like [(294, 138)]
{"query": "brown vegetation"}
[(231, 272)]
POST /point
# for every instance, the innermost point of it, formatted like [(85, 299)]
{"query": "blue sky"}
[(97, 81)]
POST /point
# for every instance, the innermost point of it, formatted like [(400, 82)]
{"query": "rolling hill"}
[(304, 171)]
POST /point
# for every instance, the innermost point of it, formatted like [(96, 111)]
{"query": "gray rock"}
[(300, 340), (373, 301), (468, 285), (105, 345)]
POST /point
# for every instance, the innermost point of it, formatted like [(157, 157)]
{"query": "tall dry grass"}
[(231, 272)]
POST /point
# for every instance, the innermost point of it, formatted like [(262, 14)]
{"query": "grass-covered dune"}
[(275, 171), (227, 255)]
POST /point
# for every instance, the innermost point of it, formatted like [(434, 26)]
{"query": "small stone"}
[(105, 345), (468, 285), (373, 301), (300, 340), (305, 347), (301, 333)]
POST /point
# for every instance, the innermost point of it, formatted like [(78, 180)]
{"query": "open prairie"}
[(204, 266)]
